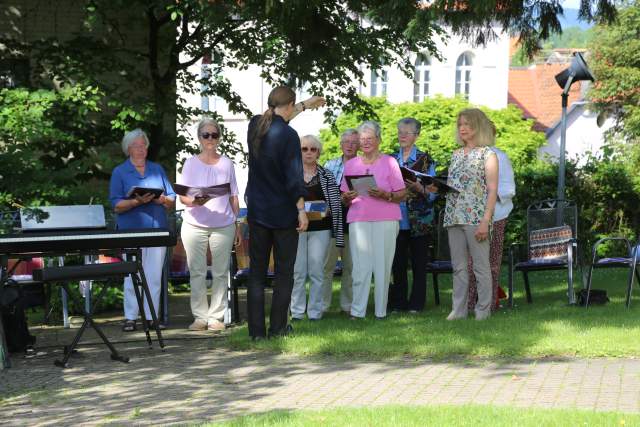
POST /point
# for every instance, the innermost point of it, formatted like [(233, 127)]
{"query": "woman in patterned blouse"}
[(469, 213)]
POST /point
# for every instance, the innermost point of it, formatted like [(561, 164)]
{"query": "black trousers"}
[(285, 247), (417, 247)]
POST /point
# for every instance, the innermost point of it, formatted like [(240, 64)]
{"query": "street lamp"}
[(577, 71)]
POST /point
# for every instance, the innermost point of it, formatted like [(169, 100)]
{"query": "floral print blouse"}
[(467, 174)]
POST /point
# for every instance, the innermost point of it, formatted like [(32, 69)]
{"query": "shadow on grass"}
[(546, 328)]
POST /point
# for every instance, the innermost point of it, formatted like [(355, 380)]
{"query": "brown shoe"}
[(198, 325), (216, 326)]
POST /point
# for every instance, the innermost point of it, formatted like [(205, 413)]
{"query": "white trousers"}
[(152, 263), (346, 292), (373, 245), (310, 258), (220, 241)]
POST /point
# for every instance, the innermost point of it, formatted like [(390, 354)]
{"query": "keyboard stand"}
[(102, 273)]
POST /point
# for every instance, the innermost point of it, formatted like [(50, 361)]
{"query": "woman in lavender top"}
[(209, 223)]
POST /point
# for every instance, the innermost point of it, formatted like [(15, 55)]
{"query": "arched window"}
[(463, 74), (379, 81), (421, 78)]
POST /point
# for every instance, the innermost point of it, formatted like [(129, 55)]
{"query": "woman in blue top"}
[(141, 212)]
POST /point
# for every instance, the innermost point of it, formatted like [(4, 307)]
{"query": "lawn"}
[(469, 415), (547, 327)]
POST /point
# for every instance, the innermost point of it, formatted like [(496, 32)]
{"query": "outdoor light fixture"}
[(577, 71)]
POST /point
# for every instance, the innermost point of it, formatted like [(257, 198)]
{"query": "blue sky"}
[(571, 4)]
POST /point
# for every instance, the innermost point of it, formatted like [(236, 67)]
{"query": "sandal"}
[(129, 325)]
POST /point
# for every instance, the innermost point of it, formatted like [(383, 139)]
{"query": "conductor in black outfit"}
[(275, 202)]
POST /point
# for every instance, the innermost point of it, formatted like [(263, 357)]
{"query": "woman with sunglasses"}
[(320, 185), (209, 223)]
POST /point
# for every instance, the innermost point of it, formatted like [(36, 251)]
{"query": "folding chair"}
[(628, 259), (552, 227)]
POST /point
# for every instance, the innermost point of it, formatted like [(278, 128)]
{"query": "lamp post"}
[(577, 71)]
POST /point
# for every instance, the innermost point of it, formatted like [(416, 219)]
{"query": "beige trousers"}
[(220, 240), (463, 244)]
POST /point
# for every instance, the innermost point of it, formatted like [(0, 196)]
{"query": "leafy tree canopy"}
[(135, 54), (615, 62)]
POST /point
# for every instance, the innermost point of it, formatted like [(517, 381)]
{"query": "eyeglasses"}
[(212, 135), (369, 140), (312, 149), (407, 133)]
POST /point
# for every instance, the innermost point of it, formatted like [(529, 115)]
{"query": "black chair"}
[(552, 227), (627, 258), (440, 261)]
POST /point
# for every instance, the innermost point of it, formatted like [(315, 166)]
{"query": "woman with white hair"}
[(141, 211), (373, 220), (320, 185), (209, 223)]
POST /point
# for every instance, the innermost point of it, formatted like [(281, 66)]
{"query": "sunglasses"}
[(312, 149), (212, 135)]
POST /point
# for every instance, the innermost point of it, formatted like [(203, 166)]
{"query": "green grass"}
[(469, 415), (547, 327)]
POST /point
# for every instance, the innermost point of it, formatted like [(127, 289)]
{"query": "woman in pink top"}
[(373, 220), (209, 222)]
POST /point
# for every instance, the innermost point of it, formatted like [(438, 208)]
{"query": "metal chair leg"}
[(527, 288), (436, 289), (632, 274), (589, 280)]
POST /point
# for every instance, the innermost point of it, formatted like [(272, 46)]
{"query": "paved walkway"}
[(196, 379)]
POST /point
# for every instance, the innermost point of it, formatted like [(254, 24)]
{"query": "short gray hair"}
[(371, 125), (207, 121), (410, 121), (348, 132), (314, 141), (131, 136)]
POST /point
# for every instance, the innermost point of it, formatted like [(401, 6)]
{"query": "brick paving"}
[(198, 379)]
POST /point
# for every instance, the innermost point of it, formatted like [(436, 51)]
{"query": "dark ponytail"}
[(279, 97)]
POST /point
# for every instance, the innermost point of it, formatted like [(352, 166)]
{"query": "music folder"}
[(198, 192), (361, 183), (141, 191), (438, 181)]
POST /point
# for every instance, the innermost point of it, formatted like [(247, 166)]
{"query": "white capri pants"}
[(310, 258), (373, 245)]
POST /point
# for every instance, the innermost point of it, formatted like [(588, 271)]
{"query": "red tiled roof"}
[(535, 91)]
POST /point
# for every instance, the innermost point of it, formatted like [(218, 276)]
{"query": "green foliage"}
[(605, 188), (438, 118), (53, 145), (111, 301), (616, 65)]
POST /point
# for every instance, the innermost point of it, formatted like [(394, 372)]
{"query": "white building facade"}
[(479, 73)]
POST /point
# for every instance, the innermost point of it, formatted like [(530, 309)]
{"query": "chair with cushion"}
[(551, 244), (621, 255), (440, 260)]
